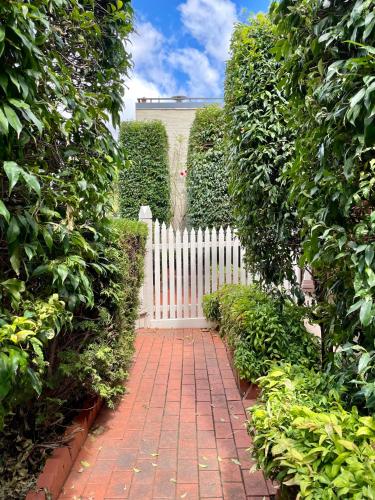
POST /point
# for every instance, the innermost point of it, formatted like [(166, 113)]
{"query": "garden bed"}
[(59, 464), (248, 390)]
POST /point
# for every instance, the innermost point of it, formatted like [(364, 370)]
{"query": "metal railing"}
[(178, 98)]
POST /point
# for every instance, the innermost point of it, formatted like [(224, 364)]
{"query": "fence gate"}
[(181, 267)]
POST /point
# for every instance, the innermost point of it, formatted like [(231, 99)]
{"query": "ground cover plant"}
[(260, 329), (146, 180), (69, 276), (208, 203), (304, 438)]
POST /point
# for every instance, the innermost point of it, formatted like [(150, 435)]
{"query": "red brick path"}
[(178, 433)]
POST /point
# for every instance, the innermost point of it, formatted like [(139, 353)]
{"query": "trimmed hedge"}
[(305, 439), (208, 203), (147, 180), (260, 329)]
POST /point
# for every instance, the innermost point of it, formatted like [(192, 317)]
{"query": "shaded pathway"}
[(178, 433)]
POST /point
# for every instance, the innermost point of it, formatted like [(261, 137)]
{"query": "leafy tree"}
[(146, 180), (328, 52), (208, 203), (260, 144)]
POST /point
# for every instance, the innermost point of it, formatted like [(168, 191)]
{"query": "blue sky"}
[(180, 46)]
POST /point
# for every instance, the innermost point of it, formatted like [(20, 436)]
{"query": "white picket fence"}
[(182, 267)]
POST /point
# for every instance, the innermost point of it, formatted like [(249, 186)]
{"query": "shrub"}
[(260, 329), (146, 181), (208, 203), (354, 368), (22, 340), (101, 363), (305, 439), (91, 358), (260, 146)]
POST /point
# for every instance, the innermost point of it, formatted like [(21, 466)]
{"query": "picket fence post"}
[(145, 216)]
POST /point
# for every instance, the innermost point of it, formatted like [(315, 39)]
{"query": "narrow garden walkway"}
[(178, 433)]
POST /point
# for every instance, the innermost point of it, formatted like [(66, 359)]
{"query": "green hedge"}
[(305, 439), (260, 146), (208, 203), (146, 181), (90, 358), (260, 329)]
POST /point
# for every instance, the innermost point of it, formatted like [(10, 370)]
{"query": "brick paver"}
[(178, 433)]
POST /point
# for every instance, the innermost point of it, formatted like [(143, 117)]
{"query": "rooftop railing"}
[(178, 98)]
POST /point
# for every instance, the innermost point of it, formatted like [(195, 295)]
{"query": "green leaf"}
[(13, 230), (13, 172), (47, 238), (13, 119), (15, 260), (364, 360), (62, 271), (4, 211), (3, 123), (2, 33), (42, 269), (369, 255), (34, 119), (18, 103), (355, 307), (31, 181), (365, 315)]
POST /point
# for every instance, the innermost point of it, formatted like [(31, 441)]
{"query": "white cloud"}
[(136, 87), (145, 43), (202, 78), (210, 22), (156, 58)]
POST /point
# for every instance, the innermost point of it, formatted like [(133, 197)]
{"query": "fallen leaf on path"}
[(235, 461), (136, 470), (203, 465), (172, 480), (98, 430)]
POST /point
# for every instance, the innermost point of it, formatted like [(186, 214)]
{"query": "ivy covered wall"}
[(208, 201), (146, 180)]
